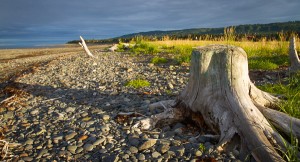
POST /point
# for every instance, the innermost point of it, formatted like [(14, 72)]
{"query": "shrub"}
[(138, 83), (158, 60)]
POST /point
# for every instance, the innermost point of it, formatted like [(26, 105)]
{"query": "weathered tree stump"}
[(220, 92), (295, 62)]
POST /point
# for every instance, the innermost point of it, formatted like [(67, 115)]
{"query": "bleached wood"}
[(113, 48), (220, 93), (84, 46), (295, 62)]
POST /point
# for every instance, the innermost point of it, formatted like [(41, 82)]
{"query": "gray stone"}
[(111, 158), (34, 112), (79, 150), (147, 144), (9, 115), (99, 141), (29, 141), (163, 148), (179, 150), (70, 109), (105, 128), (133, 150), (72, 149), (156, 154), (134, 141), (141, 156), (27, 158), (88, 147), (28, 147), (41, 153), (105, 117), (70, 136)]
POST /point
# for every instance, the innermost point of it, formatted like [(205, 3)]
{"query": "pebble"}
[(29, 141), (99, 141), (147, 144), (27, 158), (34, 112), (133, 149), (72, 149), (88, 147), (106, 117), (156, 154), (141, 157), (70, 136)]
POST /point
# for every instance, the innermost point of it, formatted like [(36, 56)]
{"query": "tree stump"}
[(220, 92), (295, 61)]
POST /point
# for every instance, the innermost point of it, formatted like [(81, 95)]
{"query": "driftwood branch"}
[(84, 46)]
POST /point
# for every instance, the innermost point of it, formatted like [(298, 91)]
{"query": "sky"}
[(99, 19)]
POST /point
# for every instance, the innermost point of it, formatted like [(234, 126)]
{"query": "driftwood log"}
[(220, 93), (84, 46), (295, 61)]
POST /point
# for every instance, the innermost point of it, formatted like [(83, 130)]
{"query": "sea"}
[(38, 42)]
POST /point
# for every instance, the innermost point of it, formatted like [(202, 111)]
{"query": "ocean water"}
[(36, 42), (8, 43)]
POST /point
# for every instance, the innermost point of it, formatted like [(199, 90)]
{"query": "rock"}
[(105, 128), (141, 157), (198, 153), (111, 158), (147, 144), (105, 117), (34, 112), (133, 150), (134, 141), (70, 136), (42, 152), (99, 141), (29, 142), (72, 149), (79, 150), (88, 147), (27, 158), (179, 150), (193, 140), (170, 85), (70, 109), (156, 154), (9, 115), (163, 148)]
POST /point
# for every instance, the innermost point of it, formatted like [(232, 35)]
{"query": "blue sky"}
[(111, 18)]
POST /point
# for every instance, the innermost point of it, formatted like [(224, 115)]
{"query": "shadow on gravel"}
[(96, 98)]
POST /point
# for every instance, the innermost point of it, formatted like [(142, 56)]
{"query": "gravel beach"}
[(66, 110)]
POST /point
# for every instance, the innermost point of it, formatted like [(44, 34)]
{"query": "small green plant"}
[(137, 83), (180, 59), (158, 60), (202, 147)]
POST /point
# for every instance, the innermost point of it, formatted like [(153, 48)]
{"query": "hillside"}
[(258, 30), (263, 29)]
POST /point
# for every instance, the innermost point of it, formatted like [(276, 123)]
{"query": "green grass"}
[(158, 60), (138, 83), (291, 91), (259, 64)]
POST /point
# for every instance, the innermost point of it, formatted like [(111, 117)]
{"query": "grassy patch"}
[(256, 64), (138, 83), (292, 93), (158, 60)]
